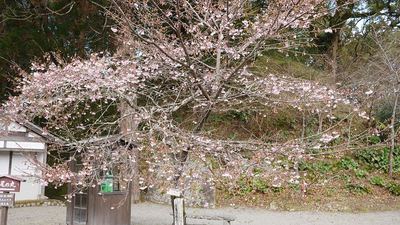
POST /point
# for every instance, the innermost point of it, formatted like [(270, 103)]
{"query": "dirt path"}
[(154, 214)]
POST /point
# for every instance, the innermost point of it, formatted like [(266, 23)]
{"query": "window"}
[(80, 208)]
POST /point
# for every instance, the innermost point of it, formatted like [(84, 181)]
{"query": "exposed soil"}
[(329, 199)]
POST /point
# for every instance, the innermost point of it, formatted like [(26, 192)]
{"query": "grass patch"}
[(394, 188), (279, 63), (377, 181)]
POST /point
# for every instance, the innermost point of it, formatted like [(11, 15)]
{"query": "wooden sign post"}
[(7, 184)]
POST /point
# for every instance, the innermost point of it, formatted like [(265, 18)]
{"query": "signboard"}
[(7, 199), (9, 184)]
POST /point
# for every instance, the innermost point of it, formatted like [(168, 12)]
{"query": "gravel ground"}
[(154, 214)]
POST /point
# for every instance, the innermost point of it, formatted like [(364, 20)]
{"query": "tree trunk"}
[(334, 55), (128, 126), (2, 30), (393, 135), (303, 127)]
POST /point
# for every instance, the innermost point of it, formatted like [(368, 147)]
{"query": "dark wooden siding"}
[(106, 209)]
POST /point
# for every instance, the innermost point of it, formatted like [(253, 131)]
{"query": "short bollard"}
[(178, 207)]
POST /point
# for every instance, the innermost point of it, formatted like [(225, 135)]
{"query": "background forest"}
[(353, 49)]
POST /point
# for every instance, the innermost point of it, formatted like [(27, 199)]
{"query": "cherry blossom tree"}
[(192, 56)]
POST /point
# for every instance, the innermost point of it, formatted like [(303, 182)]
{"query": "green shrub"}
[(360, 173), (276, 189), (378, 158), (316, 167), (348, 163), (358, 188), (248, 185), (260, 185), (345, 177), (244, 186), (295, 187), (242, 116), (384, 111), (374, 139), (378, 181), (394, 188)]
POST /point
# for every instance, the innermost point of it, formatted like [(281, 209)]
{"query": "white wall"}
[(24, 145), (16, 127), (4, 159), (21, 167), (31, 188)]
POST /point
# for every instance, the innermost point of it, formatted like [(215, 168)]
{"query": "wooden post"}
[(3, 215), (178, 207), (4, 210)]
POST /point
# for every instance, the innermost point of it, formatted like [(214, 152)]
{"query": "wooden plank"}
[(226, 219), (106, 209), (209, 217)]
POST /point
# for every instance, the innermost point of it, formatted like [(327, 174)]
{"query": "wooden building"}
[(19, 143), (107, 204), (95, 207)]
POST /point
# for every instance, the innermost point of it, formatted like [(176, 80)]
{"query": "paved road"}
[(154, 214)]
